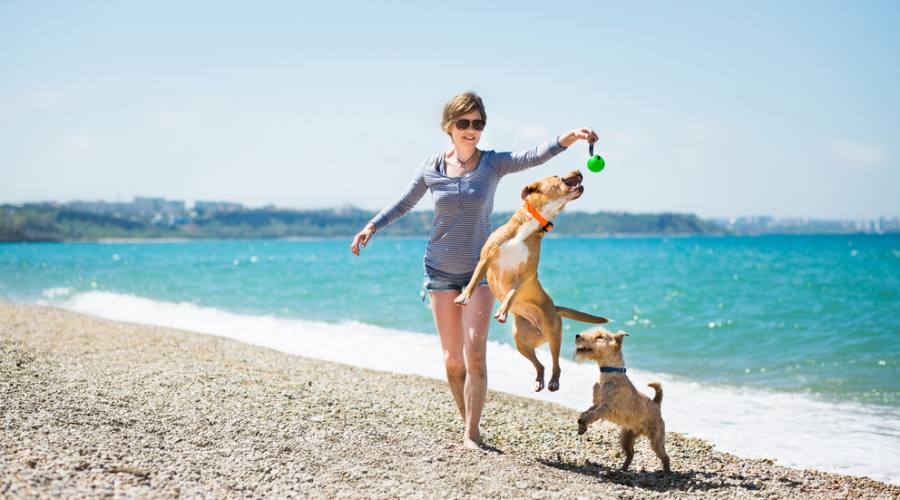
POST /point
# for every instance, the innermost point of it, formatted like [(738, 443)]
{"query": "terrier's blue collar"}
[(611, 369)]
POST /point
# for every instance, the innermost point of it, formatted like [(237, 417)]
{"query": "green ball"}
[(596, 163)]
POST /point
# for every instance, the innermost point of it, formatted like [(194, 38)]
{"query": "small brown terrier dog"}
[(616, 400)]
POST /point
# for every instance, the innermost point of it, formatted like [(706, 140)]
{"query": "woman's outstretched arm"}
[(407, 200), (516, 162)]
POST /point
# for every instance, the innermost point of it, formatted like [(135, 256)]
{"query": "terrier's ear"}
[(534, 187), (619, 336)]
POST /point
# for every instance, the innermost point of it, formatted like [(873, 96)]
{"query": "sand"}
[(90, 407)]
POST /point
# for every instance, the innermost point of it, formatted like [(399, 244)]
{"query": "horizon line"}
[(425, 210)]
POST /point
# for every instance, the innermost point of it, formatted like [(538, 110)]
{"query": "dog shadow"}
[(491, 449), (648, 480)]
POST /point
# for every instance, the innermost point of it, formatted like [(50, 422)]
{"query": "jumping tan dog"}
[(510, 257), (616, 400)]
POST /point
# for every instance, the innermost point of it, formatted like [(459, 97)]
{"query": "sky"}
[(722, 109)]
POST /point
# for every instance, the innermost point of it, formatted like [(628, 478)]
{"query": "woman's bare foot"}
[(473, 442)]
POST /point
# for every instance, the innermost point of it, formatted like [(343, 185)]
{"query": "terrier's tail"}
[(658, 388), (579, 316)]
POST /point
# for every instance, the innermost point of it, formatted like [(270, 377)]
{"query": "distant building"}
[(216, 206), (805, 225), (158, 206)]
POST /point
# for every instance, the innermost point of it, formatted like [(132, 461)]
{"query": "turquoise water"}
[(811, 314)]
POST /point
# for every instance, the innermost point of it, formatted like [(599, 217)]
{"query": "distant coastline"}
[(157, 219)]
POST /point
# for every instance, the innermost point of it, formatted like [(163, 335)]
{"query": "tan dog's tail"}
[(565, 312), (658, 388)]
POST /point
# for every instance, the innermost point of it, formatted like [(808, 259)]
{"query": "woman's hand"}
[(584, 134), (362, 238)]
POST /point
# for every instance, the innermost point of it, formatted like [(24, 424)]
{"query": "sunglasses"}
[(464, 124)]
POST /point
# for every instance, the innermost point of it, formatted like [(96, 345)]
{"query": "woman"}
[(462, 181)]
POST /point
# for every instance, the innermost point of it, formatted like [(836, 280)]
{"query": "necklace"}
[(462, 163)]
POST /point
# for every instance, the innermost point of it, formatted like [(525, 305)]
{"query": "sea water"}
[(785, 347)]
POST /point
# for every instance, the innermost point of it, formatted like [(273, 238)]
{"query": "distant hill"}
[(54, 222)]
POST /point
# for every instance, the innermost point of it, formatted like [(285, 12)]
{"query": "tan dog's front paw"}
[(462, 299), (500, 316)]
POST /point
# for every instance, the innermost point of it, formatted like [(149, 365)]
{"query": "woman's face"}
[(468, 137)]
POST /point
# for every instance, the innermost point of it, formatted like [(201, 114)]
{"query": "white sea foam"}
[(56, 293), (796, 430)]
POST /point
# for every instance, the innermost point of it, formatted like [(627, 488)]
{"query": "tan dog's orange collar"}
[(545, 224)]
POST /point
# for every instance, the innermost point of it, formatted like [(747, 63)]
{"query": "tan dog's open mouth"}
[(574, 185), (573, 181)]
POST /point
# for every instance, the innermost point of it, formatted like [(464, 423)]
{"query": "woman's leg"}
[(475, 322), (448, 321)]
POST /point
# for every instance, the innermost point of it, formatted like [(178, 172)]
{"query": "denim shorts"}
[(437, 281)]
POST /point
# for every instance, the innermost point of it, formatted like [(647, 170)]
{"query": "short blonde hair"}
[(460, 105)]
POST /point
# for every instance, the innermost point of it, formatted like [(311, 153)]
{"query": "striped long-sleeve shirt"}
[(462, 205)]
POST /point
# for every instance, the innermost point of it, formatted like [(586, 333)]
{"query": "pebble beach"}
[(98, 408)]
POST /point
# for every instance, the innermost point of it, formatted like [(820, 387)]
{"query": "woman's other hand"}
[(362, 238), (584, 134)]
